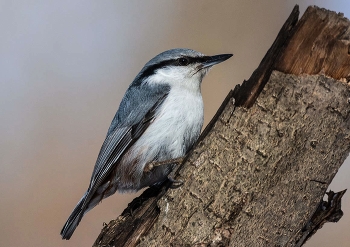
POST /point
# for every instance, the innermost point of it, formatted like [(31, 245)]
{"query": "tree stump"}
[(259, 171)]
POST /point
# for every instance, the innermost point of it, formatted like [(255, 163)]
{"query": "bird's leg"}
[(149, 166), (155, 164)]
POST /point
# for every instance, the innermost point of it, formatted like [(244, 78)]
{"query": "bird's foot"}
[(151, 165), (175, 183), (157, 172)]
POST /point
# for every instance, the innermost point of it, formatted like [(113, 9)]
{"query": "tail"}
[(74, 219), (86, 203)]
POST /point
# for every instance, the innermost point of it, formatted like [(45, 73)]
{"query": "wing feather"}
[(116, 144), (128, 125)]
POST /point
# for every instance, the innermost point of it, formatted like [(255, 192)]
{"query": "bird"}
[(159, 118)]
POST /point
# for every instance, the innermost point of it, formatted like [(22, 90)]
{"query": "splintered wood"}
[(320, 45)]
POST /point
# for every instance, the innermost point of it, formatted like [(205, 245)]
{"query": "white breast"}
[(176, 126), (177, 122)]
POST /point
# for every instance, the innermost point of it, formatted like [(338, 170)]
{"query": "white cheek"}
[(177, 77), (169, 75)]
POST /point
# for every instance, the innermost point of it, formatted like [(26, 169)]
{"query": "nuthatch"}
[(159, 118)]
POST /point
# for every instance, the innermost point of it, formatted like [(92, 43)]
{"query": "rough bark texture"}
[(257, 176)]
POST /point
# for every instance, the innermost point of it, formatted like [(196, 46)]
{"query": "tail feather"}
[(86, 203), (74, 219)]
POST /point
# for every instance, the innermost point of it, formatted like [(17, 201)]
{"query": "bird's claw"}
[(175, 183)]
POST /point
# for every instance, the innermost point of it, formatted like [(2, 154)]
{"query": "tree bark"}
[(259, 171)]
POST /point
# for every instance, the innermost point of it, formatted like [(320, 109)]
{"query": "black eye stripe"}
[(192, 60), (174, 62)]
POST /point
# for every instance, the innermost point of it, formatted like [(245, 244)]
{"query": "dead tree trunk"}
[(262, 166)]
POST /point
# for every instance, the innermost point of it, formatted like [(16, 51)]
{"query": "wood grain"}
[(320, 45)]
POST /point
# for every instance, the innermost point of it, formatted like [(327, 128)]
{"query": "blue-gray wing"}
[(136, 112)]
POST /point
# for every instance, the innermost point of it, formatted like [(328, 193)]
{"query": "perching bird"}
[(159, 118)]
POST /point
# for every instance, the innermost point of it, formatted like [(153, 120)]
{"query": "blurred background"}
[(64, 67)]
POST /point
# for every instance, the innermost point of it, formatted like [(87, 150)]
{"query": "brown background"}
[(65, 66)]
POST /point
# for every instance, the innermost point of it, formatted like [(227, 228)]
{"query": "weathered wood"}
[(320, 45), (257, 175), (136, 219), (327, 211), (251, 88), (254, 180)]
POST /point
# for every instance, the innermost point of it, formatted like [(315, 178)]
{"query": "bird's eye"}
[(183, 61)]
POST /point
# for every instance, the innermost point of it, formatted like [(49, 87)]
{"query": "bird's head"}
[(179, 67)]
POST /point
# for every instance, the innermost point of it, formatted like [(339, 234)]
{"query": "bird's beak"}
[(215, 60)]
